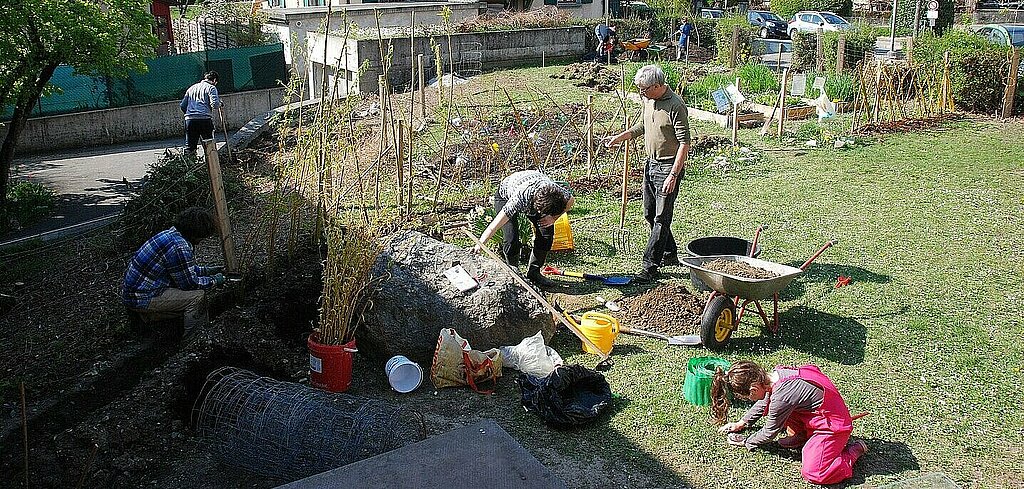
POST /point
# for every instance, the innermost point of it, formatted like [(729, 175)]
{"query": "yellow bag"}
[(563, 235), (456, 363)]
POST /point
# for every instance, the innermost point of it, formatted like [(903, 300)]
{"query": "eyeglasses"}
[(644, 90)]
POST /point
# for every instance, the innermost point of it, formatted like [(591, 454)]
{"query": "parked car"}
[(711, 13), (771, 25), (810, 22), (1003, 34)]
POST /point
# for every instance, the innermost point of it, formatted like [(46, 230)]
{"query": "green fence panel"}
[(240, 69)]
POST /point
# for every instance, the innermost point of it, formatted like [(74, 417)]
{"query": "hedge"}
[(859, 41), (723, 38), (905, 16), (977, 69), (786, 8)]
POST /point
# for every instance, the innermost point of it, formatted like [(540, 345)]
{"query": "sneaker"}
[(646, 276), (857, 448), (670, 260)]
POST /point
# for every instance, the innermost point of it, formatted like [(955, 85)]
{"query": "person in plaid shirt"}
[(163, 280)]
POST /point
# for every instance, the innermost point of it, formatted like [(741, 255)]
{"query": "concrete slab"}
[(479, 455)]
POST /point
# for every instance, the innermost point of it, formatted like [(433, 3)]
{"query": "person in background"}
[(163, 280), (532, 194), (799, 400), (605, 39), (666, 133), (197, 105), (684, 37)]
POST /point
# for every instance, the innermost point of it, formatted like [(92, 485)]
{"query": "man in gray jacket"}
[(197, 105)]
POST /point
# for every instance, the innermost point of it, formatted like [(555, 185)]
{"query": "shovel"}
[(613, 281), (683, 340)]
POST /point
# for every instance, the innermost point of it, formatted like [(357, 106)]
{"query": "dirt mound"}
[(669, 309), (593, 75), (708, 144)]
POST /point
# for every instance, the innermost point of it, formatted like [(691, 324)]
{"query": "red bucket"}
[(330, 366)]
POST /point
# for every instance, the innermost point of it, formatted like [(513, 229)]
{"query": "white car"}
[(810, 22)]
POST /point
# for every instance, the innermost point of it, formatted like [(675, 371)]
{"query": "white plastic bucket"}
[(404, 375)]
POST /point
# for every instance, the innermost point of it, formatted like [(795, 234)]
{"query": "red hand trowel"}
[(613, 281)]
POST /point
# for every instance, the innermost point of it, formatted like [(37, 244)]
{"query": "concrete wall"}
[(493, 49), (292, 24), (136, 123), (1001, 16)]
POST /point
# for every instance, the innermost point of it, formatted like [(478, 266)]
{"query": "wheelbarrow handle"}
[(757, 237), (818, 253)]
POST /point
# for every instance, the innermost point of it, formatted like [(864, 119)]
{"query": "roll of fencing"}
[(289, 431)]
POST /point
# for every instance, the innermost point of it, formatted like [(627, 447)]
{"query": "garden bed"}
[(749, 119)]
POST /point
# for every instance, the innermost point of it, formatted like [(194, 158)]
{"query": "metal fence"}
[(240, 69)]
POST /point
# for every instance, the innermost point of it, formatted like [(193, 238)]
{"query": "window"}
[(313, 3), (833, 19), (807, 18), (816, 20)]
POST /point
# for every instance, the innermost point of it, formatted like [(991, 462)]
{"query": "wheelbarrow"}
[(731, 295), (634, 46)]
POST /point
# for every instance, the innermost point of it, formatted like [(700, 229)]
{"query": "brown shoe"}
[(857, 448)]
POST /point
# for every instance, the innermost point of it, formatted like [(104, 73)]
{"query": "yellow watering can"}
[(601, 329)]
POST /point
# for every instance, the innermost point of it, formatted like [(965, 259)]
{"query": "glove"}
[(219, 279), (214, 269)]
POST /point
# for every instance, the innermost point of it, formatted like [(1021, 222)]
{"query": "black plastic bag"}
[(572, 395)]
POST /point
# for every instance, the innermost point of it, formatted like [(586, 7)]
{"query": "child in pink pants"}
[(799, 400)]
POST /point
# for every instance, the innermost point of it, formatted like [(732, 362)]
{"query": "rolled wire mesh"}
[(290, 431)]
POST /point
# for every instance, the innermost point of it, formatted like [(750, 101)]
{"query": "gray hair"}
[(649, 75)]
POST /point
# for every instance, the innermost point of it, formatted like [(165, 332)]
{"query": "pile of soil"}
[(708, 144), (594, 75), (739, 269), (668, 309)]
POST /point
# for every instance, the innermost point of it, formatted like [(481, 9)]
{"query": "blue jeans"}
[(658, 208)]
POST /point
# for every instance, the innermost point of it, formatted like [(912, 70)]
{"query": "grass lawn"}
[(926, 337)]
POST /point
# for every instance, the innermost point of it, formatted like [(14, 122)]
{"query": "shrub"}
[(977, 69), (173, 184), (723, 38), (905, 17), (755, 80), (672, 75), (859, 41), (786, 8), (27, 202)]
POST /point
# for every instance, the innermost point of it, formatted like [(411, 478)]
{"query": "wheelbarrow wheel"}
[(717, 323)]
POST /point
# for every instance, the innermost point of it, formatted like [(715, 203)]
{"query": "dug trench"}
[(128, 423)]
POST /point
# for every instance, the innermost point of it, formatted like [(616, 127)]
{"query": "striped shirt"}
[(518, 189), (200, 100), (164, 261)]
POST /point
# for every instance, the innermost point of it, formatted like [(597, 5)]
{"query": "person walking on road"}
[(163, 280), (666, 133), (542, 201), (197, 105)]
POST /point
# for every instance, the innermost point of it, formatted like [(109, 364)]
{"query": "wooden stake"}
[(223, 221), (523, 136), (782, 101), (423, 93), (1011, 83), (735, 46), (945, 81), (590, 135), (24, 430), (400, 162), (408, 201), (536, 295), (908, 47), (878, 89), (840, 54), (736, 116), (819, 51)]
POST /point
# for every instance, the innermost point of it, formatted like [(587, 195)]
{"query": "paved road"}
[(90, 183)]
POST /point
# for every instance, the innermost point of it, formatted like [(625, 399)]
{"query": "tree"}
[(101, 37)]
